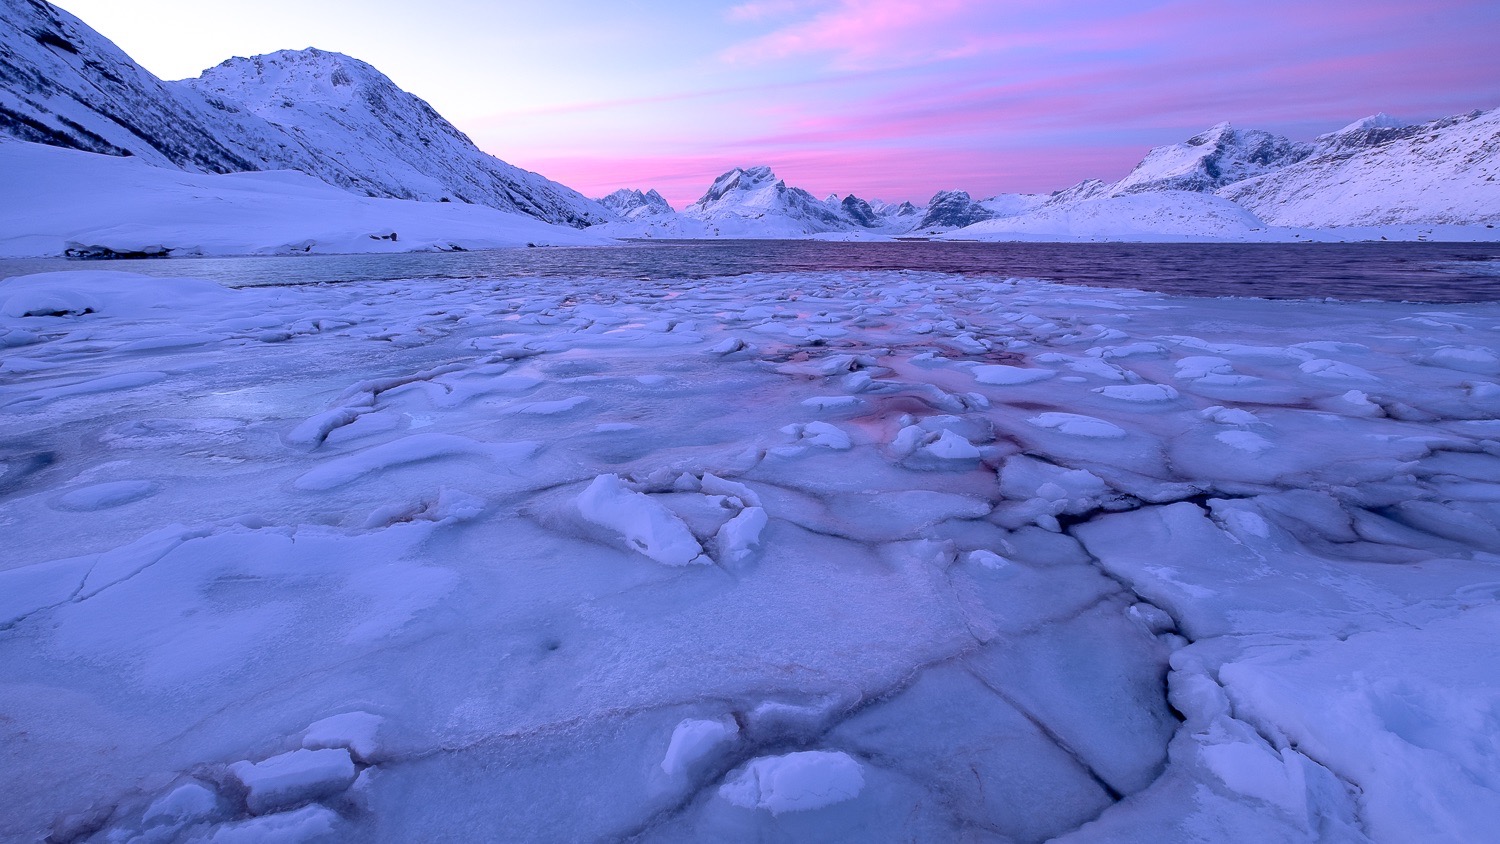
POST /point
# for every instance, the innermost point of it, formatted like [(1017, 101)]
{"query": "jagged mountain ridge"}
[(628, 204), (64, 84), (755, 193)]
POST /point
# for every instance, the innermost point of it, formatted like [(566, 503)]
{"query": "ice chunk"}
[(988, 559), (309, 823), (1138, 392), (416, 448), (1243, 441), (647, 526), (809, 779), (1008, 376), (1228, 416), (825, 435), (831, 402), (1076, 490), (712, 484), (1478, 361), (106, 495), (1078, 425), (189, 802), (694, 740), (1199, 366), (951, 446), (354, 731), (1335, 370), (739, 536), (816, 434), (295, 777)]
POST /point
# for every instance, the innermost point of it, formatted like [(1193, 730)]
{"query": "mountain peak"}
[(1211, 159), (632, 204), (1380, 120), (740, 179), (369, 135)]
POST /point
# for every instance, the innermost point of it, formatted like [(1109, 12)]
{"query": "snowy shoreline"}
[(875, 555)]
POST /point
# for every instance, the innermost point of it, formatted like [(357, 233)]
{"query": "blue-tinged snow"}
[(846, 556)]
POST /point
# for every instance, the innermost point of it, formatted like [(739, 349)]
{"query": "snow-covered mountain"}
[(367, 135), (324, 114), (1443, 172), (628, 204), (1209, 160), (753, 201)]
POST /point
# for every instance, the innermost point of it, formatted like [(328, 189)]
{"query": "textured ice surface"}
[(932, 558)]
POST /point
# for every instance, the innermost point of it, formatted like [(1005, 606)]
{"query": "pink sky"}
[(890, 99)]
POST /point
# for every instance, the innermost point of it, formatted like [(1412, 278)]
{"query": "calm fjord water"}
[(1420, 272)]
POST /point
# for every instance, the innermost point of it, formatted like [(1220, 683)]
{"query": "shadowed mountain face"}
[(63, 84), (953, 209), (320, 113)]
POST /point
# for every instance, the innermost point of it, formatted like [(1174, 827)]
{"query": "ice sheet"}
[(846, 556)]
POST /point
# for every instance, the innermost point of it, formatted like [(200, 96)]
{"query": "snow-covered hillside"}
[(1166, 215), (336, 118), (370, 136), (1445, 171), (54, 201)]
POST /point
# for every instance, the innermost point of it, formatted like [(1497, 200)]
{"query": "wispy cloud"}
[(862, 33), (769, 10)]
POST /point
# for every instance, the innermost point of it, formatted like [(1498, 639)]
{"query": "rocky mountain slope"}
[(1209, 160), (1443, 172), (327, 115), (63, 84)]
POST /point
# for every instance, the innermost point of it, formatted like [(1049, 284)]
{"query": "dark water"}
[(1419, 272)]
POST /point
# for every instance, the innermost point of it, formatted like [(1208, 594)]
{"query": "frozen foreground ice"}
[(840, 557)]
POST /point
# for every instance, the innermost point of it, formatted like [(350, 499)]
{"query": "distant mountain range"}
[(344, 123), (1225, 183)]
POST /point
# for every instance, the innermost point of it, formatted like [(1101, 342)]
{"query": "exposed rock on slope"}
[(953, 209), (1210, 160), (63, 84), (860, 212)]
